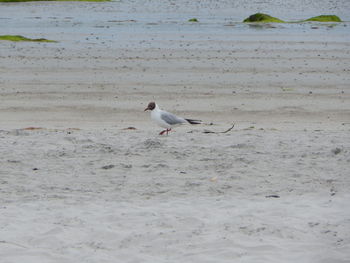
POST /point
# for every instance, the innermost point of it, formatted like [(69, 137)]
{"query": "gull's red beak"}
[(146, 109)]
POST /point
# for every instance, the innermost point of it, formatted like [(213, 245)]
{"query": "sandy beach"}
[(85, 177)]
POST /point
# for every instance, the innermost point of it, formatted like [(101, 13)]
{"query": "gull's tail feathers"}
[(194, 121)]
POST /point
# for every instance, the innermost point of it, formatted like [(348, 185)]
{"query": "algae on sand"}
[(325, 18), (22, 38), (262, 18), (193, 20)]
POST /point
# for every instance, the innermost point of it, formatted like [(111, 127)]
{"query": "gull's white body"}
[(166, 119)]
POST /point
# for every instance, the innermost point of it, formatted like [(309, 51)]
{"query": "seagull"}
[(166, 119)]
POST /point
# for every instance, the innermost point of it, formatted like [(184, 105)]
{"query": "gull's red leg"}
[(162, 132), (165, 131)]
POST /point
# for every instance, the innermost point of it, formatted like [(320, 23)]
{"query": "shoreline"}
[(76, 185)]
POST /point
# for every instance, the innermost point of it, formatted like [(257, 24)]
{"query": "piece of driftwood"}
[(229, 129), (130, 128), (272, 196)]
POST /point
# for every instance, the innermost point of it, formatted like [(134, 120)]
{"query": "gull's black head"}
[(151, 106)]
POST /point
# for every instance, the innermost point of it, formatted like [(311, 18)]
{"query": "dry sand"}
[(132, 196), (82, 188)]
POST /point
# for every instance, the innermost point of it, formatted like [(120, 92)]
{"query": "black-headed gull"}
[(166, 119)]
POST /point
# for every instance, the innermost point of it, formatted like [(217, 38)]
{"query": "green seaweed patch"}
[(22, 38), (262, 18), (16, 1), (325, 18), (193, 20)]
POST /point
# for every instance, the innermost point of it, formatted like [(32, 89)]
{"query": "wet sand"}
[(83, 188)]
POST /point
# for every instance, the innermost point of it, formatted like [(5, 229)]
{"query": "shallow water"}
[(134, 24)]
